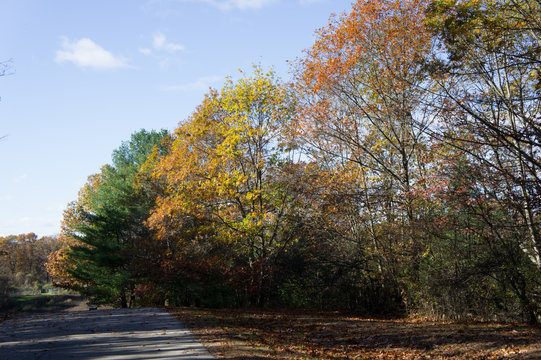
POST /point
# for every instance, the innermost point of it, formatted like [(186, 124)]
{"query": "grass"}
[(25, 298), (29, 304)]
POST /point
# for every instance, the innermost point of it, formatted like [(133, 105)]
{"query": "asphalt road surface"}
[(99, 334)]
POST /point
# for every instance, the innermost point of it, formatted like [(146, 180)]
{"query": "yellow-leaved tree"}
[(225, 179)]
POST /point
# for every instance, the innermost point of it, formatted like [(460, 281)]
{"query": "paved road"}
[(99, 334)]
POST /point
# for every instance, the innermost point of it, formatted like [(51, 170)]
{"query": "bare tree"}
[(5, 69)]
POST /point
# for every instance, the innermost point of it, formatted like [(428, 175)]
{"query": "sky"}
[(84, 75)]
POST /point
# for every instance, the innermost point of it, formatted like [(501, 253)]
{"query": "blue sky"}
[(87, 74)]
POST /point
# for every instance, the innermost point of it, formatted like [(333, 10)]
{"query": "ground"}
[(143, 333), (284, 334), (303, 334), (24, 305)]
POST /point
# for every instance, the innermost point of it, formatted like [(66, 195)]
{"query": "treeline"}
[(22, 262), (397, 172)]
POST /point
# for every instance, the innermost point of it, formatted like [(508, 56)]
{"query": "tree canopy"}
[(397, 172)]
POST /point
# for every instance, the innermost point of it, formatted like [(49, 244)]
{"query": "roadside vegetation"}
[(22, 266), (25, 285), (24, 305), (390, 189), (396, 173)]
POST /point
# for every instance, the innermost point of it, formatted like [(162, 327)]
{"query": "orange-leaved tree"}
[(363, 92), (223, 182), (59, 265)]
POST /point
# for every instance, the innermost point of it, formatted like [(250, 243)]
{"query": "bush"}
[(292, 294)]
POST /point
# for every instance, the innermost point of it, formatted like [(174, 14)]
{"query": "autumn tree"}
[(399, 171), (491, 79), (363, 93), (22, 264), (223, 179), (487, 69), (59, 264)]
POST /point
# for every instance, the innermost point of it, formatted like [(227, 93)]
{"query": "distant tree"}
[(23, 260)]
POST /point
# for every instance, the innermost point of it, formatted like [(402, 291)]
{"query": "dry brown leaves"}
[(285, 334)]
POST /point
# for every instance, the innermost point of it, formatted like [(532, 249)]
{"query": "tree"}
[(107, 225), (223, 178), (491, 81), (22, 262), (59, 264), (4, 70), (488, 72), (362, 89), (5, 67)]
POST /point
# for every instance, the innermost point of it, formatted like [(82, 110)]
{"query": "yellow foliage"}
[(220, 167)]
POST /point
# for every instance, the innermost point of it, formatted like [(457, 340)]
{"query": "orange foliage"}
[(363, 64), (59, 263), (383, 40), (363, 113), (58, 266), (218, 169)]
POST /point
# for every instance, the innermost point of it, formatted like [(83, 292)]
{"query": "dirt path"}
[(101, 334)]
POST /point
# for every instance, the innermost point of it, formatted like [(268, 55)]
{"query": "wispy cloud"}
[(160, 43), (239, 4), (40, 225), (26, 220), (164, 7), (145, 51), (161, 47), (19, 179), (201, 84), (86, 53)]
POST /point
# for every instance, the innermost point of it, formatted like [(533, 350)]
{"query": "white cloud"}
[(145, 51), (201, 84), (39, 225), (238, 4), (86, 53), (166, 7), (160, 43), (19, 179)]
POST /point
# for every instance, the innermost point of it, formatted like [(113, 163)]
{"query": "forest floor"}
[(293, 334)]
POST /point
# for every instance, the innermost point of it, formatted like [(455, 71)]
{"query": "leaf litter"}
[(311, 334)]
